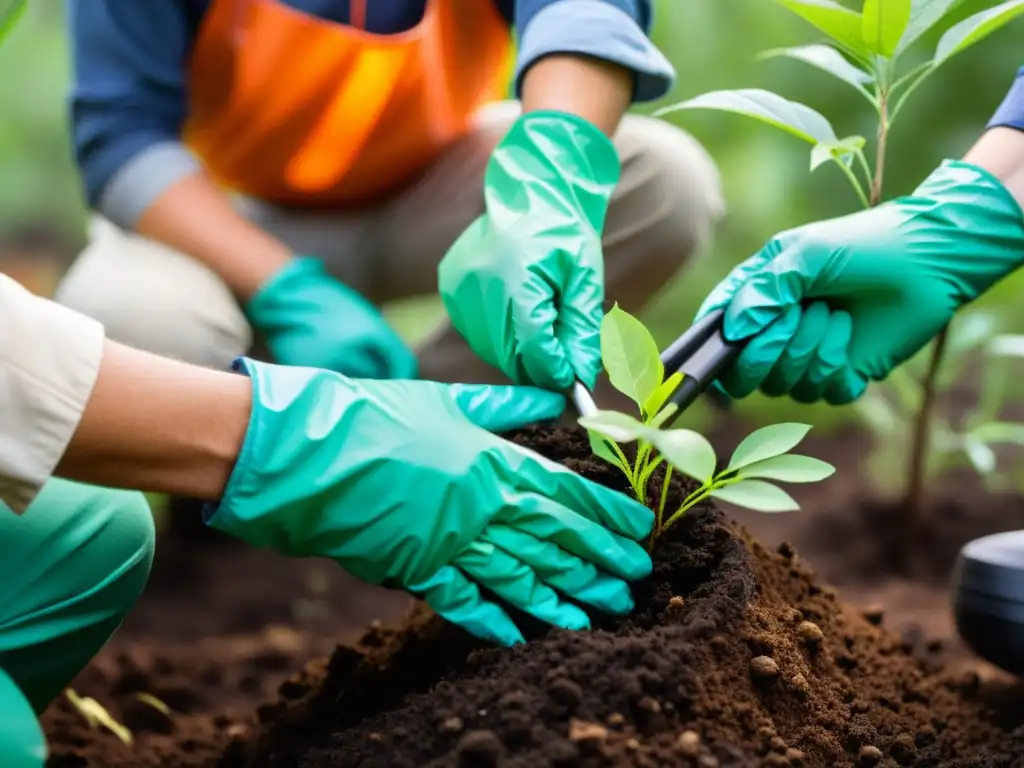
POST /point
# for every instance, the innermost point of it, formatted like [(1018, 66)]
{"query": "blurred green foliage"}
[(713, 44), (767, 185), (39, 186)]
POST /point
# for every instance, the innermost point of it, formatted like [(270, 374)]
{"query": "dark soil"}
[(857, 542), (219, 628), (735, 656)]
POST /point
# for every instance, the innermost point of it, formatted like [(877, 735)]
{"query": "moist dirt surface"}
[(737, 654)]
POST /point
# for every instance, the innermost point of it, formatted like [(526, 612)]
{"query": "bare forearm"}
[(159, 425), (195, 217), (597, 91), (1000, 151)]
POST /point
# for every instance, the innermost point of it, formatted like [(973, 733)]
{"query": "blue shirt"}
[(1011, 112), (130, 61)]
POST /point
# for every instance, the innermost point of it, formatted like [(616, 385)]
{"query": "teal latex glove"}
[(402, 484), (524, 284), (836, 304), (22, 744), (311, 319)]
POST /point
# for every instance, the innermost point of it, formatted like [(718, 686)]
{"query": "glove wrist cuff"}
[(595, 152), (564, 154), (985, 215)]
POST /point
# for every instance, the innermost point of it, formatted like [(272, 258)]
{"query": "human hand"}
[(835, 304), (524, 284), (311, 319), (403, 483)]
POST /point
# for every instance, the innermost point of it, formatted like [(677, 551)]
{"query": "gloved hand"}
[(402, 484), (838, 303), (524, 284), (311, 319)]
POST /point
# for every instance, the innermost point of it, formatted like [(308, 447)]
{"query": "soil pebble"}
[(764, 667)]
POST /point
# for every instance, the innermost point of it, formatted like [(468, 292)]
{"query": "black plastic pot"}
[(988, 599)]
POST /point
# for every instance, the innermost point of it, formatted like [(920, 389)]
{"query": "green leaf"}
[(658, 398), (924, 14), (883, 23), (825, 58), (620, 427), (841, 24), (794, 118), (630, 356), (10, 15), (999, 432), (961, 36), (789, 468), (767, 443), (757, 495), (687, 451), (980, 455), (599, 447), (1006, 345), (841, 149)]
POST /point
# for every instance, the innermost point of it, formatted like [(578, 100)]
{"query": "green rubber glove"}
[(22, 744), (402, 484), (311, 319), (836, 304), (524, 284)]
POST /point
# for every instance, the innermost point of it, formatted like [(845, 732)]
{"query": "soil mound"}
[(735, 656)]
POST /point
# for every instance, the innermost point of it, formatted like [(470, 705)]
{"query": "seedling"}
[(865, 50), (635, 369), (96, 715), (152, 701)]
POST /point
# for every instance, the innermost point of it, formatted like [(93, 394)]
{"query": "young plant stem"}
[(622, 457), (848, 172), (914, 495), (660, 514), (641, 475), (699, 495), (921, 438), (875, 197)]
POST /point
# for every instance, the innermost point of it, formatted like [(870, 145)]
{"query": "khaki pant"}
[(151, 297)]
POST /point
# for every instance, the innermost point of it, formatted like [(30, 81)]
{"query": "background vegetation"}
[(713, 44)]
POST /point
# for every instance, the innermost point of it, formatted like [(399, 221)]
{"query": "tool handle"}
[(707, 358), (582, 399), (686, 346), (711, 359)]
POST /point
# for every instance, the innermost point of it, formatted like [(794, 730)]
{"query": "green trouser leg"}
[(71, 567), (21, 739)]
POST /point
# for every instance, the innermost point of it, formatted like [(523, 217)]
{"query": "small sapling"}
[(635, 369)]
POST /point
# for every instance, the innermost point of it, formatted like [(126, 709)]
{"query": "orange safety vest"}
[(295, 110)]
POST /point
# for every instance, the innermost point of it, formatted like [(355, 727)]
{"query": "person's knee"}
[(126, 547), (109, 538), (22, 744), (154, 299), (74, 563), (674, 188)]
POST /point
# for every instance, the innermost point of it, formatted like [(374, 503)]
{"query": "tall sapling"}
[(863, 51)]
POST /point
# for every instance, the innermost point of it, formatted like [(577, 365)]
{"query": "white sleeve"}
[(49, 360)]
